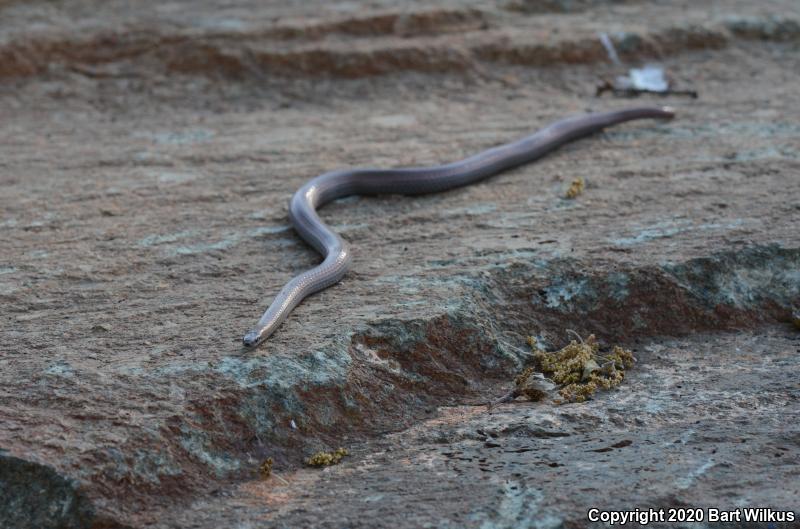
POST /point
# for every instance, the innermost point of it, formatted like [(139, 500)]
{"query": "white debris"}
[(650, 78)]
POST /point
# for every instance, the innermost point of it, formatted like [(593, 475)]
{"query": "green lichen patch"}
[(326, 459), (581, 369)]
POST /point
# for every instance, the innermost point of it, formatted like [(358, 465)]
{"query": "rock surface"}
[(148, 154)]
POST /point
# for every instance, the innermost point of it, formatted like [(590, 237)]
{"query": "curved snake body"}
[(410, 181)]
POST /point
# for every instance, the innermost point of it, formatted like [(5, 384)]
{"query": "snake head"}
[(252, 338)]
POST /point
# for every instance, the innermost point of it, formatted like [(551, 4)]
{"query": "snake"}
[(337, 184)]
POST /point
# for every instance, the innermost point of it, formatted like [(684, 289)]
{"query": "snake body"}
[(410, 181)]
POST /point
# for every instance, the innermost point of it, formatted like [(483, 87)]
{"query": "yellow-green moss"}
[(575, 188), (580, 369), (325, 459), (265, 468)]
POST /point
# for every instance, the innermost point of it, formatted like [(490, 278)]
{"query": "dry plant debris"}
[(530, 384), (608, 86), (527, 385), (581, 369), (326, 459)]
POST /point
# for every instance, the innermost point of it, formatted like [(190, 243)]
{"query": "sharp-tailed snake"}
[(410, 181)]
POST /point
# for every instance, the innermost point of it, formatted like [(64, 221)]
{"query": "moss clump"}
[(575, 188), (326, 459), (265, 468), (580, 369)]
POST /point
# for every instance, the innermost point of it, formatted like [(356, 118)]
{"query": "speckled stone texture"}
[(147, 154)]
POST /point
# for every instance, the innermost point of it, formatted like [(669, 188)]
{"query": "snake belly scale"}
[(411, 181)]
